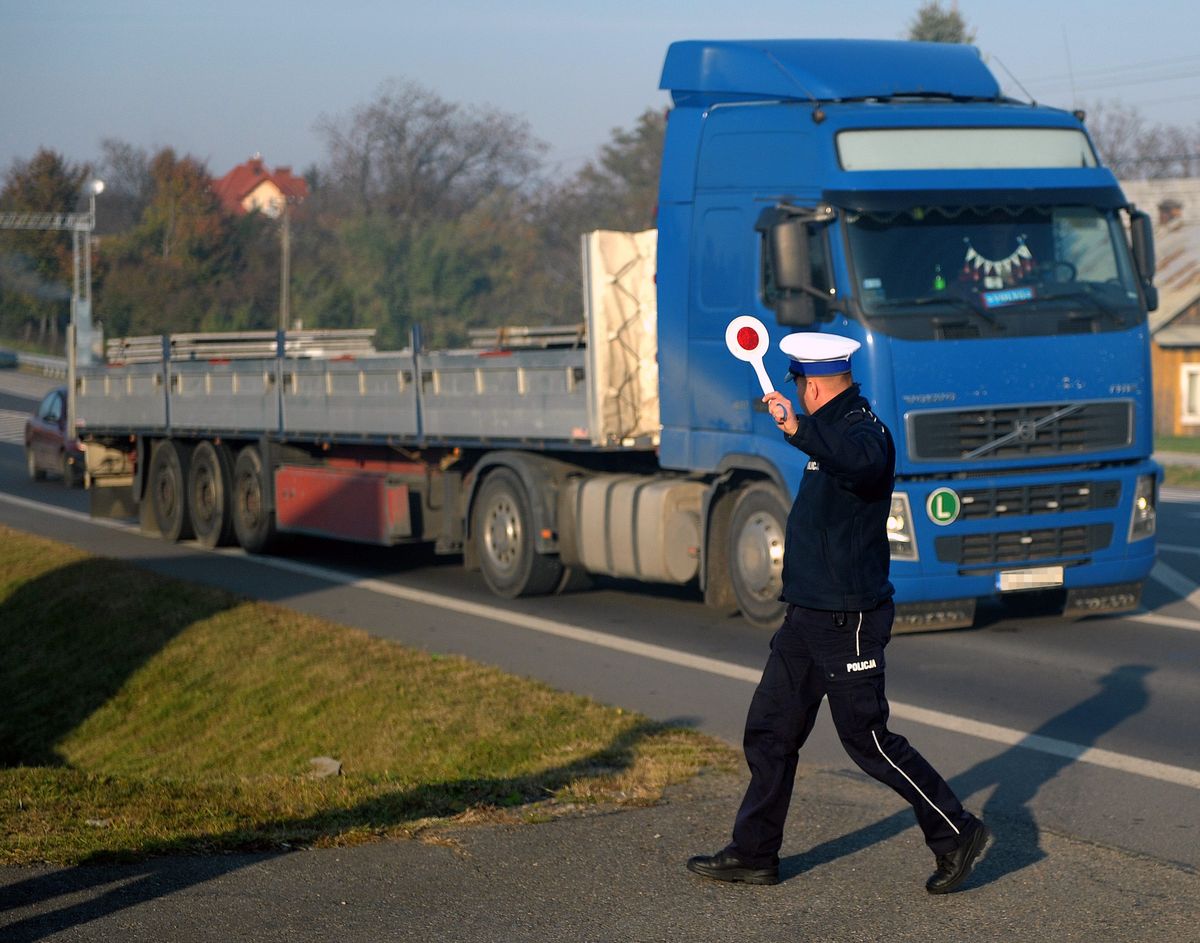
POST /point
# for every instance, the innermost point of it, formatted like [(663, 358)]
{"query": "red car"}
[(48, 448)]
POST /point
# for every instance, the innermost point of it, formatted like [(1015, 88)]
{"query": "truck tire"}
[(253, 520), (210, 485), (718, 578), (167, 490), (756, 538), (502, 529)]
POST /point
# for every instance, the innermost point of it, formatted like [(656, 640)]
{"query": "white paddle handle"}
[(763, 380)]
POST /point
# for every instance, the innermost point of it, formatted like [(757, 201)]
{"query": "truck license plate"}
[(1041, 577)]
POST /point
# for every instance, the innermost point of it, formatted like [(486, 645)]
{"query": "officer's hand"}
[(781, 410)]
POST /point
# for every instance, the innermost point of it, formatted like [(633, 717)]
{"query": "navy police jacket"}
[(836, 553)]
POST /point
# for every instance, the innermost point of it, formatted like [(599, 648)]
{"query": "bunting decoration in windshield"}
[(997, 273)]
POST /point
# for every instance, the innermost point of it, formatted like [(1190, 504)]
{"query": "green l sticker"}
[(943, 506)]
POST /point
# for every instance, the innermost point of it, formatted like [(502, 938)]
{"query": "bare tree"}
[(128, 185), (413, 155), (1135, 149)]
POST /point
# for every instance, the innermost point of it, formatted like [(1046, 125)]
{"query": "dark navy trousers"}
[(838, 656)]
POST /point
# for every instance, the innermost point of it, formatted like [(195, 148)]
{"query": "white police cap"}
[(813, 354)]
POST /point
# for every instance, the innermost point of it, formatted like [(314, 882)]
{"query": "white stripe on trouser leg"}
[(875, 737), (857, 651)]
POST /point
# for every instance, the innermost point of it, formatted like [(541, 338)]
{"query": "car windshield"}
[(982, 272)]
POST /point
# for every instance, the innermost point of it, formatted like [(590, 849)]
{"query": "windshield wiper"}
[(1074, 294), (952, 300)]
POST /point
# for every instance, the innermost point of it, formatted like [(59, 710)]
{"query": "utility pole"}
[(285, 265)]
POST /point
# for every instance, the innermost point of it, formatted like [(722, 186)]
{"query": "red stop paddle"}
[(747, 339)]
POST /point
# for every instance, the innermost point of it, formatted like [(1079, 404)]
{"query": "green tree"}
[(36, 267), (185, 265), (936, 25)]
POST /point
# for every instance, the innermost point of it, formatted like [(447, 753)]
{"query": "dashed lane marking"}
[(12, 426), (1007, 736)]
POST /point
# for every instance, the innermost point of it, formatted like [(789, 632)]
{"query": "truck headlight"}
[(1145, 508), (901, 539)]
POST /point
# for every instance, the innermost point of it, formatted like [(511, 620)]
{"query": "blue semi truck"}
[(992, 270)]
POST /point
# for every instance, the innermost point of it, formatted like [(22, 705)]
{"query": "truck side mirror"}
[(1142, 236), (790, 266)]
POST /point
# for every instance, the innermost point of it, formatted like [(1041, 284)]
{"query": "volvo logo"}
[(1026, 430), (943, 506)]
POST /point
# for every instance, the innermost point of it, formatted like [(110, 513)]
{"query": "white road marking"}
[(1176, 582), (1007, 736), (1153, 618), (1180, 548)]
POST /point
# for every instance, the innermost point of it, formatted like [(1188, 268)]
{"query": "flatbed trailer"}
[(532, 452)]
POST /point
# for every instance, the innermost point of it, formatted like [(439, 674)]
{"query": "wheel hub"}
[(502, 534), (760, 556)]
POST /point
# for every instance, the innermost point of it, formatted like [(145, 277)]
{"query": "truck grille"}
[(1020, 546), (1019, 500), (1019, 431)]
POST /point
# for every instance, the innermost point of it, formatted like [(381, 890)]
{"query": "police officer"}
[(838, 621)]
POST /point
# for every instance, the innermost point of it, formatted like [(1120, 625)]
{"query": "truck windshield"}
[(963, 272)]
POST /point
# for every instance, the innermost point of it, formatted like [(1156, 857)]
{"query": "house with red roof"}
[(1174, 208), (253, 186)]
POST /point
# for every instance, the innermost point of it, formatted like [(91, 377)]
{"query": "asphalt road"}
[(1081, 732)]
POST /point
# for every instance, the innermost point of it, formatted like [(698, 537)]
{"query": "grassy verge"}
[(147, 716), (1177, 443), (1181, 476)]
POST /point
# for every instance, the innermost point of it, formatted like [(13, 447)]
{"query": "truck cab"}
[(989, 265)]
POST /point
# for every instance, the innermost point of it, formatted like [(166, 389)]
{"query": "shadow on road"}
[(1017, 775)]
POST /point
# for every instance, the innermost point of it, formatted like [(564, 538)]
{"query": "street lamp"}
[(93, 188), (81, 310)]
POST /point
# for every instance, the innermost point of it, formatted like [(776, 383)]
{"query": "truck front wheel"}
[(502, 528), (167, 490), (253, 519), (756, 537)]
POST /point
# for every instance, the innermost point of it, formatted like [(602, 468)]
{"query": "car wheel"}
[(70, 472), (35, 473)]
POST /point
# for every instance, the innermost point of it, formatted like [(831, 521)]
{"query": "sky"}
[(222, 80)]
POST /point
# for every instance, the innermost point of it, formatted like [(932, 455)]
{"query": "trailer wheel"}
[(210, 482), (756, 537), (502, 528), (167, 490), (253, 520)]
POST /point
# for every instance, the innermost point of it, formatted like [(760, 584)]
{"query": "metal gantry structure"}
[(76, 224)]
